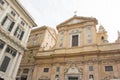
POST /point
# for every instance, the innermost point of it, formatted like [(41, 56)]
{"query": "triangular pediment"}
[(77, 20), (74, 21)]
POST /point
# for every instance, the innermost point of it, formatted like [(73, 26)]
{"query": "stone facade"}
[(80, 53), (15, 27), (41, 39)]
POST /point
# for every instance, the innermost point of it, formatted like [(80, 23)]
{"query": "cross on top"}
[(75, 12)]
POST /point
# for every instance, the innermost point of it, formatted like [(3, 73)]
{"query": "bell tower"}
[(102, 35)]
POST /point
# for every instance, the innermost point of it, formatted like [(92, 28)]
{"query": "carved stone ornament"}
[(75, 21), (44, 78), (73, 69), (74, 31), (73, 72)]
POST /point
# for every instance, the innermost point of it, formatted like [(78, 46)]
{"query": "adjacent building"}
[(41, 39), (15, 27)]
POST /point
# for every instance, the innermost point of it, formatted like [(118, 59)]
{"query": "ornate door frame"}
[(73, 71)]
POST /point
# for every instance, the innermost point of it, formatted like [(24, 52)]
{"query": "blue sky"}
[(53, 12)]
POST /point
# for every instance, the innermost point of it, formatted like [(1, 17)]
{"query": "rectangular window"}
[(72, 78), (11, 51), (25, 70), (2, 2), (19, 33), (108, 68), (1, 79), (57, 69), (90, 68), (23, 77), (7, 23), (22, 23), (46, 69), (91, 76), (89, 41), (13, 13), (89, 34), (5, 64), (89, 28), (57, 76), (1, 44), (75, 40)]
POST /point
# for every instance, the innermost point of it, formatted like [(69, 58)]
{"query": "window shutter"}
[(75, 40), (4, 20), (1, 45), (11, 26), (8, 49), (14, 53), (4, 64), (21, 36), (16, 30)]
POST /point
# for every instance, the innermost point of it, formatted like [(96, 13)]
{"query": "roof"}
[(80, 20), (25, 13)]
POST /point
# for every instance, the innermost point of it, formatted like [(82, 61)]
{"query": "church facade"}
[(80, 53)]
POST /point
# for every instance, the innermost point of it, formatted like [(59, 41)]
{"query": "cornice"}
[(14, 41), (96, 60), (19, 6), (71, 52), (87, 19), (39, 29)]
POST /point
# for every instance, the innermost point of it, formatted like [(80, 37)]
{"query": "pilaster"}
[(13, 64), (3, 51), (17, 65)]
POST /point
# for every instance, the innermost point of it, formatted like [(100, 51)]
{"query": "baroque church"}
[(77, 52)]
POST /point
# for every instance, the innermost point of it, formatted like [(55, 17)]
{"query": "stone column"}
[(17, 66), (13, 64), (3, 51)]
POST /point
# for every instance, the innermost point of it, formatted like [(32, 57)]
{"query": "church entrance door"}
[(72, 78)]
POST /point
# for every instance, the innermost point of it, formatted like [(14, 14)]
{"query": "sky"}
[(53, 12)]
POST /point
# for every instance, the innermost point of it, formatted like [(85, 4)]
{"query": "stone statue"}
[(118, 40)]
